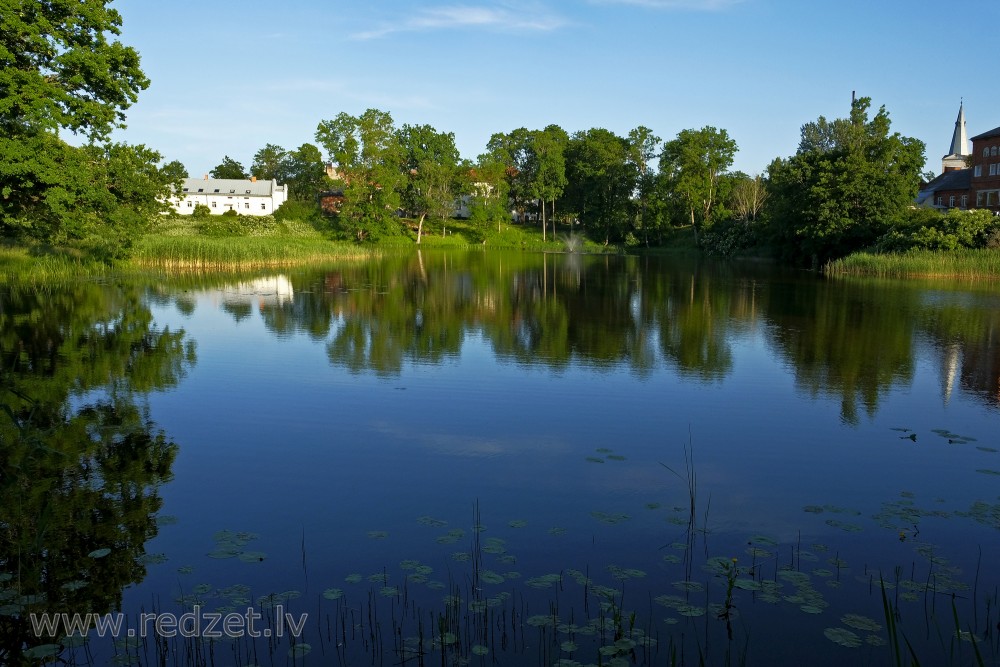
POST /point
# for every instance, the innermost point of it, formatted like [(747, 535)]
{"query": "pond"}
[(501, 458)]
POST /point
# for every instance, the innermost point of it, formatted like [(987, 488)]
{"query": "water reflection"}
[(852, 341), (80, 459)]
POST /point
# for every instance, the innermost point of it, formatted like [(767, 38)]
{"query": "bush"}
[(201, 211), (927, 229), (730, 238)]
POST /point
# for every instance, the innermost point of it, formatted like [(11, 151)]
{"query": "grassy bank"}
[(44, 264), (981, 264)]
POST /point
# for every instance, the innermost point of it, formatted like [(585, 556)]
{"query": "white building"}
[(246, 197)]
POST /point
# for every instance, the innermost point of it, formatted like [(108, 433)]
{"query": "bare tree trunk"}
[(420, 227), (543, 220)]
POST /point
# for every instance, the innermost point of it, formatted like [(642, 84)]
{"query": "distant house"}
[(246, 197), (959, 185)]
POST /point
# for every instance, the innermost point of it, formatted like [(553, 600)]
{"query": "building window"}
[(993, 151), (248, 192), (965, 201), (216, 189), (993, 170), (201, 189), (978, 171), (263, 206), (246, 205), (213, 204), (190, 204), (979, 200), (989, 198), (951, 201), (940, 201), (986, 152)]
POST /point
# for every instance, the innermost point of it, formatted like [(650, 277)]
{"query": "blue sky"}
[(229, 77)]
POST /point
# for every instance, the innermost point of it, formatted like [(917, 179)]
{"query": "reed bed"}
[(229, 253), (978, 264)]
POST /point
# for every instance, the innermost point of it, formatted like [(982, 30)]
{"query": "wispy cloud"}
[(688, 5), (470, 17)]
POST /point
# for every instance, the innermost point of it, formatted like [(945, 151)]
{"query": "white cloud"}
[(470, 17)]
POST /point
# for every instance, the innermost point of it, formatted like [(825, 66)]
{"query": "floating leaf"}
[(594, 459), (431, 521), (101, 553), (299, 650), (842, 637), (569, 647), (615, 457), (859, 622), (353, 578), (557, 530), (517, 523), (479, 649), (377, 534), (333, 593), (43, 651), (253, 556), (987, 471)]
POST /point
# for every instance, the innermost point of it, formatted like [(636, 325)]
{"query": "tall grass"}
[(979, 264), (226, 253)]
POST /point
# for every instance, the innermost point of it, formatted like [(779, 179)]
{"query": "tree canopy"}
[(61, 70), (848, 182)]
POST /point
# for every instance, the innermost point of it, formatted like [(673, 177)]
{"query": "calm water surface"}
[(507, 458)]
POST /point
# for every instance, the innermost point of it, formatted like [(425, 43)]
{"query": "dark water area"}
[(502, 458)]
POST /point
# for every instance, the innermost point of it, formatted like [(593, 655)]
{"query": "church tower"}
[(959, 145)]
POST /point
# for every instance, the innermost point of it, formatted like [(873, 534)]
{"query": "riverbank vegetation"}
[(370, 183)]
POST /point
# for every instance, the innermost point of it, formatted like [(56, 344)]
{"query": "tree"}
[(693, 164), (488, 196), (268, 162), (63, 71), (848, 182), (547, 168), (601, 181), (748, 196), (60, 71), (642, 144), (430, 162), (229, 168), (366, 151), (304, 172), (513, 150)]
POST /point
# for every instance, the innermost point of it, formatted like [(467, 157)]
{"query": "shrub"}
[(927, 229)]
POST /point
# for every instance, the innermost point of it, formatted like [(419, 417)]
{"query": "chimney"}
[(253, 179), (206, 177)]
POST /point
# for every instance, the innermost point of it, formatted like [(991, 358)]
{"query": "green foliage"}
[(366, 151), (692, 166), (602, 180), (229, 168), (849, 179), (62, 71), (928, 229), (201, 211), (731, 238), (268, 163), (430, 169), (299, 209)]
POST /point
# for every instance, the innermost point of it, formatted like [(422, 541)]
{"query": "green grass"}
[(981, 264), (43, 264)]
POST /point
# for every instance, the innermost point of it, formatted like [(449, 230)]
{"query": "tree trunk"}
[(420, 227), (543, 220), (694, 226)]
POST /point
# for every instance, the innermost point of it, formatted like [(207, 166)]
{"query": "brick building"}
[(961, 185)]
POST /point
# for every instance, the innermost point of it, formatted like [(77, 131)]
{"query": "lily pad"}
[(98, 553), (333, 593), (843, 637)]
